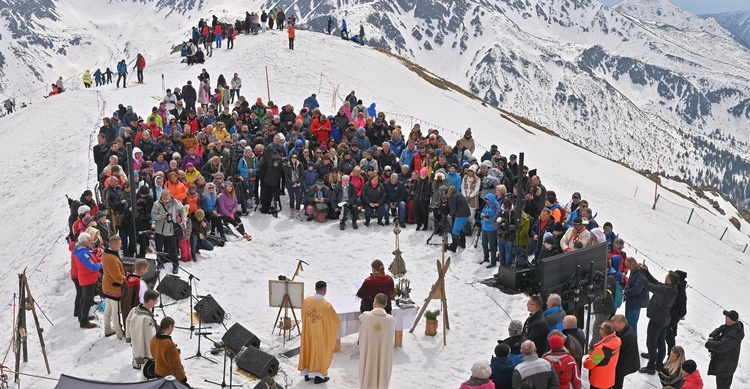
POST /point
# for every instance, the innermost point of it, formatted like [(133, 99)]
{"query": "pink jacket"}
[(469, 385)]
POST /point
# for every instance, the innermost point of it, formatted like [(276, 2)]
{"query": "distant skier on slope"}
[(140, 64)]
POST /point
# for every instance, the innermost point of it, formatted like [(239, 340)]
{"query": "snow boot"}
[(454, 244), (462, 241)]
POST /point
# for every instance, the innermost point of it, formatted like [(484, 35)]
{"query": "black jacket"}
[(458, 205), (535, 330), (422, 190), (662, 300), (629, 361), (290, 170), (338, 195), (373, 195), (725, 349), (324, 191)]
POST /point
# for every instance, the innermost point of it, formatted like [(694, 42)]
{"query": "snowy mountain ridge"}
[(638, 82)]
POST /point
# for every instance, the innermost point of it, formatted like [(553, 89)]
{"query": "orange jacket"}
[(179, 192), (290, 31), (321, 129), (602, 362), (193, 202), (166, 357)]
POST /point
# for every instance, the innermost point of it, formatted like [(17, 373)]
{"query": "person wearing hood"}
[(489, 231), (88, 266), (86, 78), (468, 140), (549, 248), (137, 159)]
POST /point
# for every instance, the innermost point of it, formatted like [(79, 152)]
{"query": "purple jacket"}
[(161, 167), (197, 162), (227, 206)]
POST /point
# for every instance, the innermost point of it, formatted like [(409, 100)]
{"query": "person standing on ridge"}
[(344, 31), (86, 78), (330, 25), (140, 64), (361, 35), (290, 31)]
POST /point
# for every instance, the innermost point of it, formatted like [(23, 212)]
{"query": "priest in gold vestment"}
[(320, 326)]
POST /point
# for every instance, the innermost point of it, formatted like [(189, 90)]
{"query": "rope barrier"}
[(7, 369)]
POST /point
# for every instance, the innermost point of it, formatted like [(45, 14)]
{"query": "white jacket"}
[(141, 327)]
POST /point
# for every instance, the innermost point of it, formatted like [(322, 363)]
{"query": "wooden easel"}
[(438, 292), (286, 304), (26, 302)]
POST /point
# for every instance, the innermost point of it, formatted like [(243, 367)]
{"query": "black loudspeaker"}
[(516, 279), (129, 263), (238, 337), (268, 383), (258, 363), (174, 287), (209, 311)]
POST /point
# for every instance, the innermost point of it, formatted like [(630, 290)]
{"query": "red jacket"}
[(321, 129), (73, 266), (204, 32), (693, 381), (602, 362), (88, 265), (217, 30), (566, 368)]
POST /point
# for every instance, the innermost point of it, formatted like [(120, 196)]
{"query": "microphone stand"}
[(158, 280), (223, 383), (200, 322)]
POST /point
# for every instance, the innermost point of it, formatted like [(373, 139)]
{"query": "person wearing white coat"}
[(141, 327), (377, 332)]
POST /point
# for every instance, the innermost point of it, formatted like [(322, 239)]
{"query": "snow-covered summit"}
[(666, 13)]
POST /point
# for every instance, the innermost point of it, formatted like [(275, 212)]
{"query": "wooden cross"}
[(438, 292)]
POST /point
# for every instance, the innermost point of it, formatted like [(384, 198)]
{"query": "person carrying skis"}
[(140, 64), (122, 73)]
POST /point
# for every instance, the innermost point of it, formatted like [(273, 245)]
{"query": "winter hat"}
[(228, 184), (515, 328), (319, 182), (311, 163), (369, 151), (355, 143), (143, 191), (189, 165), (576, 195), (100, 215), (607, 224), (87, 219), (387, 168), (468, 131), (200, 214), (423, 172), (549, 238), (599, 234), (467, 153), (83, 209), (732, 315), (276, 117), (465, 165), (556, 342), (487, 164), (689, 366), (361, 130), (559, 227), (473, 168)]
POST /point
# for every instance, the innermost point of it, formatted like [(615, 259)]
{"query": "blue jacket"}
[(363, 142), (573, 215), (122, 68), (373, 113), (554, 318), (455, 180), (245, 169), (343, 25), (83, 254), (309, 180), (209, 203), (98, 74), (407, 156), (397, 146), (311, 103), (489, 210), (502, 372), (636, 293)]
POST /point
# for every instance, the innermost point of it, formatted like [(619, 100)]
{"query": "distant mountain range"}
[(641, 81), (738, 23)]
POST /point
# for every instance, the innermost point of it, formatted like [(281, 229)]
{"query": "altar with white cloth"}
[(347, 307)]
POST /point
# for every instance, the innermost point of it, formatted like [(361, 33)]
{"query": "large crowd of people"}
[(205, 160)]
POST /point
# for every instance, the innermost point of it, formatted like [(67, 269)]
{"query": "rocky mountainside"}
[(638, 82), (738, 23)]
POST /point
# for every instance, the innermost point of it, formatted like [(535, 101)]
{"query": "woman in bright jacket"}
[(489, 232), (228, 209), (321, 127), (165, 352), (88, 266), (179, 191), (480, 377), (210, 205), (87, 79), (563, 363)]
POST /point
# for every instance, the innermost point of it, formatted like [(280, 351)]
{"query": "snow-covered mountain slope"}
[(237, 275), (637, 82), (738, 23)]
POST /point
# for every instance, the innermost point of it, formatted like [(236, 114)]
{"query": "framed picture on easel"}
[(278, 289)]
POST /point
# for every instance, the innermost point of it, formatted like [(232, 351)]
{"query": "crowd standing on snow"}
[(206, 159)]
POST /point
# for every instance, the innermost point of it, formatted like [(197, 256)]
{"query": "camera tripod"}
[(442, 228)]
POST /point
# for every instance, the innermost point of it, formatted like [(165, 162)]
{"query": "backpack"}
[(617, 295)]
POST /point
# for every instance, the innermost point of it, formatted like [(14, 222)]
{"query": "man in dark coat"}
[(270, 170), (502, 367), (189, 96), (460, 213), (514, 340), (344, 202), (659, 314), (636, 296), (535, 327), (724, 344), (570, 329), (629, 361)]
